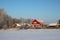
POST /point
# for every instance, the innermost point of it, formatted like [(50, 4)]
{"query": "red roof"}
[(37, 22)]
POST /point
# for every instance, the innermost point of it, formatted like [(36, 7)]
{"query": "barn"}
[(37, 24)]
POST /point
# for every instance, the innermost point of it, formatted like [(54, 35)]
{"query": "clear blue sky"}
[(47, 10)]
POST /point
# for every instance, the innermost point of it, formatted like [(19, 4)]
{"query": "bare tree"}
[(59, 23)]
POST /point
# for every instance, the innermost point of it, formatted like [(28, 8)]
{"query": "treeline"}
[(7, 21)]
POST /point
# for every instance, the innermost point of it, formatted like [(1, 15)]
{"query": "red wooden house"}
[(36, 23)]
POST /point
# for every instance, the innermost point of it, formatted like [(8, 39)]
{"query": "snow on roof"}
[(18, 24), (53, 24), (40, 20)]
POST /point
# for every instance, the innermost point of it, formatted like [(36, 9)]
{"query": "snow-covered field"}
[(31, 34)]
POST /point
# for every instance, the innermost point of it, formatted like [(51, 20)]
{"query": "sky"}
[(47, 10)]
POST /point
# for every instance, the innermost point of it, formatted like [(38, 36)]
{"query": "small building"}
[(16, 25), (52, 25), (21, 25), (37, 24)]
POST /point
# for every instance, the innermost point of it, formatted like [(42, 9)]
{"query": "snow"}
[(53, 24), (30, 34)]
